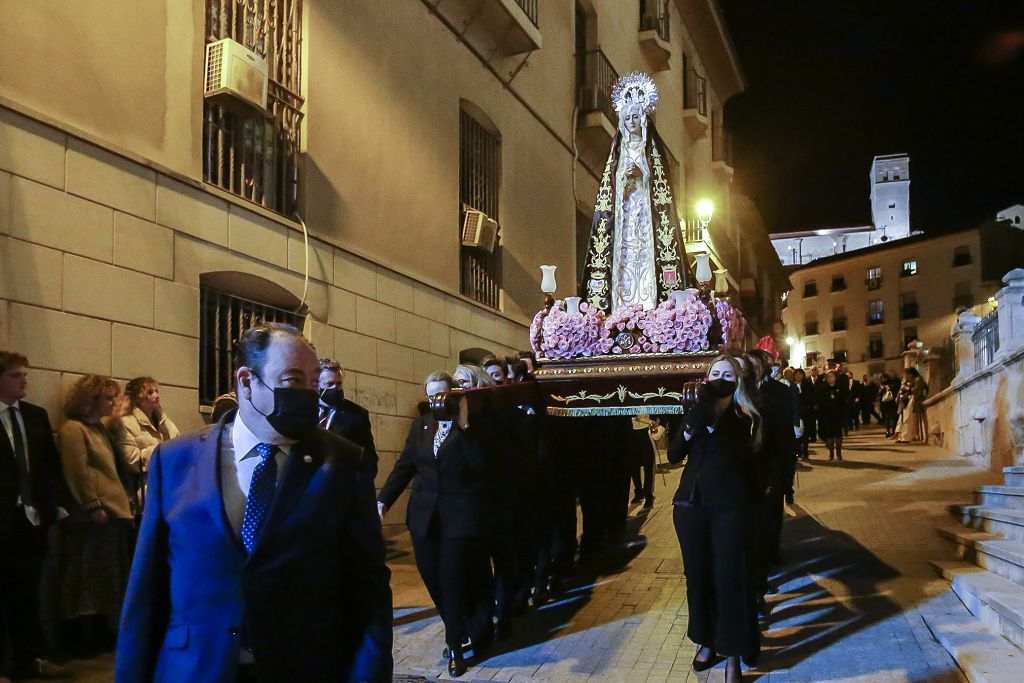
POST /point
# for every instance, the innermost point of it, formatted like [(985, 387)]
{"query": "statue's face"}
[(632, 119)]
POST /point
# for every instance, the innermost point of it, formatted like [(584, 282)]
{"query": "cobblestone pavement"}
[(856, 548)]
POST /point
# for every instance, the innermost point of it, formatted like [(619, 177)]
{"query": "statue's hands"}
[(634, 171)]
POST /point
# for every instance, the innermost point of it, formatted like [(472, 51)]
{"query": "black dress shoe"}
[(456, 664), (502, 629), (638, 498), (648, 502)]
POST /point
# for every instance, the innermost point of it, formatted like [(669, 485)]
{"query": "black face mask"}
[(295, 413), (721, 387), (332, 397)]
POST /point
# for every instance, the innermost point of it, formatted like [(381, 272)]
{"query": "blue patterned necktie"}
[(261, 495)]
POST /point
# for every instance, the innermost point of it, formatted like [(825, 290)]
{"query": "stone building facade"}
[(113, 229)]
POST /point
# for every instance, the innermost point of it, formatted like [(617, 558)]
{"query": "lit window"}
[(909, 269)]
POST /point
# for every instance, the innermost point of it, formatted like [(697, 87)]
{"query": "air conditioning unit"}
[(479, 231), (233, 69)]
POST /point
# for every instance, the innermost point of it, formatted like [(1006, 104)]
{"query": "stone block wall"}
[(100, 264)]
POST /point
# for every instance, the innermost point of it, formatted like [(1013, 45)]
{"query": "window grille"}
[(222, 319), (695, 89), (479, 187), (250, 152)]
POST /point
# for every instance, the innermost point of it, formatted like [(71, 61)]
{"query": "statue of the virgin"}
[(633, 255)]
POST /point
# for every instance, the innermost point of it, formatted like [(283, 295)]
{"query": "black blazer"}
[(47, 479), (720, 466), (777, 404), (352, 421), (450, 490)]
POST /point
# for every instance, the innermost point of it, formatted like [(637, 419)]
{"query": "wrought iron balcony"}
[(595, 77), (530, 8), (721, 150), (695, 103), (654, 32)]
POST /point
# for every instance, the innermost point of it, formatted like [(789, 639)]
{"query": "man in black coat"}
[(345, 418), (31, 492), (779, 450)]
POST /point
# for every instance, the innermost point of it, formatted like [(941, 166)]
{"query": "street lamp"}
[(705, 208), (790, 341)]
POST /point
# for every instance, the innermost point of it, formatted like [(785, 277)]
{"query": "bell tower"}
[(890, 195)]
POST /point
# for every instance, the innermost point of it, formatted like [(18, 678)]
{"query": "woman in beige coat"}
[(96, 541), (142, 428)]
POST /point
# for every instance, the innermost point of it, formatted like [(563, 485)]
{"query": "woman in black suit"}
[(448, 518), (832, 412), (713, 506)]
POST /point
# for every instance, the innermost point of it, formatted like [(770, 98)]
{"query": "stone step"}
[(998, 603), (984, 656), (1014, 476), (1007, 522), (989, 551), (1001, 496)]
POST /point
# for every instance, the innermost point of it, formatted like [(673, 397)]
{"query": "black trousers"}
[(643, 451), (810, 424), (457, 574), (715, 542), (771, 512), (23, 548)]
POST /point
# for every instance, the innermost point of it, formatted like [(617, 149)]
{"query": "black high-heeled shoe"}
[(709, 663), (456, 663)]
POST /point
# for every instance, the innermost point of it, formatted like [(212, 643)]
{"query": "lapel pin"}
[(307, 458)]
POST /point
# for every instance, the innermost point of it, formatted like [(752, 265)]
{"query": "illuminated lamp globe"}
[(790, 341), (705, 209)]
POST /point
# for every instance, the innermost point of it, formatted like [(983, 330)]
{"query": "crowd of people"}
[(211, 533), (70, 512)]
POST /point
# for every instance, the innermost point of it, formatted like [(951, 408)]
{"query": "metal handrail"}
[(530, 8), (654, 15), (595, 86), (695, 92), (986, 340)]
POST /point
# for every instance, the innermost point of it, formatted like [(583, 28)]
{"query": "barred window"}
[(222, 319), (479, 187), (248, 151)]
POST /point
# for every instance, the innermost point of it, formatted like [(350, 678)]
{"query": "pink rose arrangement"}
[(535, 332), (570, 335), (678, 329), (732, 322), (624, 329)]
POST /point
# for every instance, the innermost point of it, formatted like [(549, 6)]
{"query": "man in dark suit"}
[(344, 417), (260, 555), (31, 490)]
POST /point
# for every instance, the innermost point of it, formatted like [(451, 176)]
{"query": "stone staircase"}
[(989, 577)]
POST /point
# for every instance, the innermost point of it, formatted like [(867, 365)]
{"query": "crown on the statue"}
[(636, 88)]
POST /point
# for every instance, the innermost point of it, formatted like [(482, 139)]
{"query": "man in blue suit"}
[(260, 555)]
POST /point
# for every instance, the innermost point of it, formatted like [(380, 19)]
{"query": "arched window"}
[(229, 303)]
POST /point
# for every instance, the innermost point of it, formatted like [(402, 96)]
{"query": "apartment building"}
[(864, 307)]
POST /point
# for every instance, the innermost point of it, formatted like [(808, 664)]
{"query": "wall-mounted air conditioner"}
[(479, 231), (233, 69)]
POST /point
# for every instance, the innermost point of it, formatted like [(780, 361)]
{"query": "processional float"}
[(639, 333)]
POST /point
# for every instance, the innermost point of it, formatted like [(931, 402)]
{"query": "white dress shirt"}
[(5, 417), (237, 463)]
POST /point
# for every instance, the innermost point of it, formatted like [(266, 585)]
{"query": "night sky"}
[(832, 83)]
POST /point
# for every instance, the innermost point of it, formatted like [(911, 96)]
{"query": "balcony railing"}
[(721, 145), (654, 15), (695, 92), (986, 340), (530, 8), (597, 76), (692, 233), (838, 324)]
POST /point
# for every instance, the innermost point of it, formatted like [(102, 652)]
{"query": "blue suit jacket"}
[(313, 600)]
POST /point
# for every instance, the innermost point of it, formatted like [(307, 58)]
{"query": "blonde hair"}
[(82, 397), (744, 402), (478, 378)]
